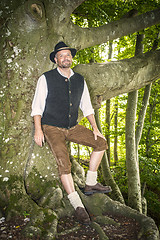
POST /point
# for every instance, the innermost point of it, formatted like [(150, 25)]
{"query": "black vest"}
[(63, 99)]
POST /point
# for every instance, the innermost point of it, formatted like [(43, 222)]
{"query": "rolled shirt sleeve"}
[(85, 104), (39, 100)]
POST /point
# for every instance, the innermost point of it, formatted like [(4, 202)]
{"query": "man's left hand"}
[(96, 133)]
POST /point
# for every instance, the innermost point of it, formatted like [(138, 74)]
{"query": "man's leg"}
[(68, 183), (84, 136), (56, 140), (95, 160), (80, 212), (91, 179)]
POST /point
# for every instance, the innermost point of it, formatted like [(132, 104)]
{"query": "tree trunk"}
[(141, 117), (145, 101), (149, 140), (142, 114), (107, 134), (107, 176), (134, 187), (115, 130)]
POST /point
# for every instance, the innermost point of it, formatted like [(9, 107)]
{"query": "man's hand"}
[(96, 133), (39, 137)]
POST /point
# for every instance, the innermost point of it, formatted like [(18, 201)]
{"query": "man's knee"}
[(101, 145), (64, 169)]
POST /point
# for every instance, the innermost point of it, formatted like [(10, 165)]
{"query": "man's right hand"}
[(39, 137)]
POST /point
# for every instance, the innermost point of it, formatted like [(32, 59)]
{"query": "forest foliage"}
[(149, 147)]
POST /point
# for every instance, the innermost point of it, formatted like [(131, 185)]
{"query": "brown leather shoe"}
[(82, 216), (98, 188)]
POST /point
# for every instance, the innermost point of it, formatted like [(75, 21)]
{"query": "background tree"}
[(134, 187), (107, 132), (116, 133)]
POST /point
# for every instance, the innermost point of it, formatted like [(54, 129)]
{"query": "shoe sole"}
[(92, 192)]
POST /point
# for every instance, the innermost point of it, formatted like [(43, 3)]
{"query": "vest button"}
[(69, 91), (71, 104), (69, 116), (66, 80)]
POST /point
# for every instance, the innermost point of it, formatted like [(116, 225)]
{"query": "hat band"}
[(59, 49)]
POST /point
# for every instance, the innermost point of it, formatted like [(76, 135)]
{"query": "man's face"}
[(63, 59)]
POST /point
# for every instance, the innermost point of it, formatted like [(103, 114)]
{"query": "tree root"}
[(99, 204), (105, 220), (68, 231), (99, 230)]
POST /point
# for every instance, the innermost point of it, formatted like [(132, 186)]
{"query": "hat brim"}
[(53, 54)]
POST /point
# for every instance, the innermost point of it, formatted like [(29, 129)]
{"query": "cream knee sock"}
[(75, 200), (91, 178)]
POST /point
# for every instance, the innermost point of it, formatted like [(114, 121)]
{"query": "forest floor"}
[(127, 230)]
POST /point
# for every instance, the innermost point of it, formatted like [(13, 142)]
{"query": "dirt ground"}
[(128, 229)]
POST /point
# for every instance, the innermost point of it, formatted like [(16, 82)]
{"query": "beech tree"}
[(28, 174), (132, 163)]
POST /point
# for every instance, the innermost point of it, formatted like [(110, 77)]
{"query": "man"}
[(59, 94)]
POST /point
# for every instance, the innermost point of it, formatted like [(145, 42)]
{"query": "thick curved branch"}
[(73, 4), (87, 37), (59, 12), (117, 77)]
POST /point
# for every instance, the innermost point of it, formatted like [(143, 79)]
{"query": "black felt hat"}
[(61, 46)]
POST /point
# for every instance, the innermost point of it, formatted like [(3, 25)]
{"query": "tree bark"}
[(107, 134), (115, 130), (134, 187), (142, 113), (145, 101), (113, 30), (116, 193), (103, 203), (120, 76), (149, 140)]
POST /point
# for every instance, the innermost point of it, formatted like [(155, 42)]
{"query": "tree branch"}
[(74, 4), (87, 37), (114, 78), (69, 6)]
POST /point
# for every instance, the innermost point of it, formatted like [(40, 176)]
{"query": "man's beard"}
[(65, 64)]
